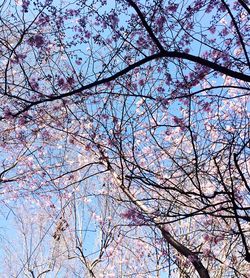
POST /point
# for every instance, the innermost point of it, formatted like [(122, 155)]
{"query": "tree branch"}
[(163, 54), (237, 31), (145, 24), (203, 272)]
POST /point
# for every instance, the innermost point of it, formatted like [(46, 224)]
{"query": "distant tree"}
[(125, 133)]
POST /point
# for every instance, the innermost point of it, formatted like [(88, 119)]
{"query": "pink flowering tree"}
[(124, 137)]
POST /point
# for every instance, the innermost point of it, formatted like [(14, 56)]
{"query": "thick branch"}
[(244, 4), (183, 250), (145, 24), (162, 54), (237, 31), (186, 252)]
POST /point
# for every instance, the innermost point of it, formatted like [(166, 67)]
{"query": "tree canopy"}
[(125, 138)]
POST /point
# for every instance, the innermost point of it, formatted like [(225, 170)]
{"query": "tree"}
[(126, 123)]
